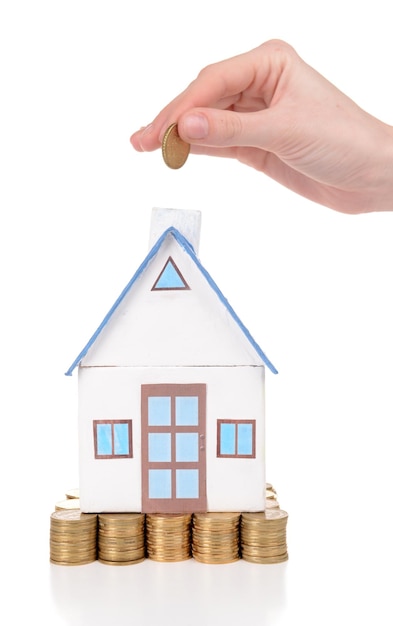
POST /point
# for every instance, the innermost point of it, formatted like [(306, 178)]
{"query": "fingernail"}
[(147, 129), (195, 126)]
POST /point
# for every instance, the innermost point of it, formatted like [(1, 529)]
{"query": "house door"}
[(173, 448)]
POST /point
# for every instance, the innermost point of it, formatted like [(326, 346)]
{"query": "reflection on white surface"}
[(184, 593)]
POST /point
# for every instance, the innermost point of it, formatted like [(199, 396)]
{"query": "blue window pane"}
[(104, 439), (159, 411), (159, 447), (170, 278), (187, 447), (244, 441), (160, 484), (187, 410), (227, 438), (187, 483), (121, 439)]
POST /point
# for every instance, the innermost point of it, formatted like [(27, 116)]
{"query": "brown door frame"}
[(173, 504)]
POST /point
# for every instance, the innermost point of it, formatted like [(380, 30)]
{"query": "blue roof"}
[(187, 247)]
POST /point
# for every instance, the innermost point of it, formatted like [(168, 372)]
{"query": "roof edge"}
[(186, 245)]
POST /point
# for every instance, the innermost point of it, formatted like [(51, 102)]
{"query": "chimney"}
[(188, 223)]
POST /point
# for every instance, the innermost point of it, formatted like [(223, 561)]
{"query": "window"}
[(173, 440), (236, 438), (112, 439), (170, 278)]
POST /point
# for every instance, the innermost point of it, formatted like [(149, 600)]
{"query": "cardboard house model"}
[(171, 390)]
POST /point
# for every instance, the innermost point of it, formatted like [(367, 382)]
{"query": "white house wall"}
[(171, 328), (112, 393)]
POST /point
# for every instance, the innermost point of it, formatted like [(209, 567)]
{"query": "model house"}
[(171, 390)]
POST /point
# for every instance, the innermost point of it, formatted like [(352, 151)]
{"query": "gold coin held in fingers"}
[(174, 150)]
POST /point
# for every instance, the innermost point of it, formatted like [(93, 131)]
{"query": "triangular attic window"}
[(170, 278)]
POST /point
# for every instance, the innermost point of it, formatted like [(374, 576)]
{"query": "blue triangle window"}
[(170, 278)]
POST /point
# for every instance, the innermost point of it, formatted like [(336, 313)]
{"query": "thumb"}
[(216, 128)]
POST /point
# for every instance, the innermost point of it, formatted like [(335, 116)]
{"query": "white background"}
[(313, 286)]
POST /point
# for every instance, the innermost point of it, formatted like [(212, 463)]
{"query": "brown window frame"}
[(235, 455), (113, 455)]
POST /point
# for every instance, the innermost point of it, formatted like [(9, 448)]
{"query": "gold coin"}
[(72, 493), (271, 503), (174, 150), (276, 514), (68, 504), (131, 562)]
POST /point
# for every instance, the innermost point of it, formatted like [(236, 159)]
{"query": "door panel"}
[(173, 448)]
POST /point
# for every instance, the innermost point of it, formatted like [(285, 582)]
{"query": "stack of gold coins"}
[(168, 536), (215, 537), (73, 537), (121, 538), (263, 536)]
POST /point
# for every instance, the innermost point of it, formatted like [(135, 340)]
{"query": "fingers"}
[(225, 129), (145, 139), (212, 128), (217, 86), (245, 83)]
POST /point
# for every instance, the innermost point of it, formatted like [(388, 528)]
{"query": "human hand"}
[(272, 111)]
